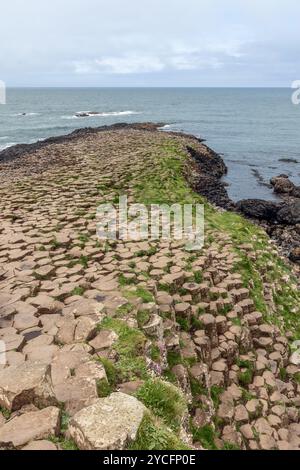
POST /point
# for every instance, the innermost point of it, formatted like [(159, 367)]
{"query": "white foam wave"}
[(26, 114), (10, 144), (86, 114)]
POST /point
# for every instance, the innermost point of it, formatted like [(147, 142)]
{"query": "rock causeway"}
[(139, 345)]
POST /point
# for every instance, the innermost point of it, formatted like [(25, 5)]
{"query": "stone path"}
[(59, 284)]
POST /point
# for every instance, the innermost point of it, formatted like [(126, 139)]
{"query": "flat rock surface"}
[(110, 423)]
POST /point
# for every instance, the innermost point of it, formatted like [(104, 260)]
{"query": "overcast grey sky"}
[(149, 43)]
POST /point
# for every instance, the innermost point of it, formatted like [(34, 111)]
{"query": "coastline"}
[(208, 171), (187, 350)]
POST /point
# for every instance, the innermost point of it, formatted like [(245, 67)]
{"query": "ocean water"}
[(255, 130)]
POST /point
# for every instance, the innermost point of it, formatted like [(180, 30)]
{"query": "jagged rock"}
[(289, 214), (259, 209), (28, 382), (295, 255), (109, 424), (282, 184), (105, 339), (30, 426)]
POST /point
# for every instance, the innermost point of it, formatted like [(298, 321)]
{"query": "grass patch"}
[(206, 436), (5, 412), (131, 363), (103, 388), (143, 317), (153, 435), (164, 400), (111, 371), (78, 291)]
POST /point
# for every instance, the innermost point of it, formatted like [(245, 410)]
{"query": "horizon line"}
[(143, 87)]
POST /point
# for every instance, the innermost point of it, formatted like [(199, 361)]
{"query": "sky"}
[(160, 43)]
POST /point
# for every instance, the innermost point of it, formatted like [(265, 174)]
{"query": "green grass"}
[(139, 292), (5, 412), (153, 435), (84, 261), (125, 309), (155, 353), (143, 317), (215, 393), (111, 371), (123, 281), (78, 291), (65, 444), (174, 358), (164, 400), (206, 436), (103, 388), (130, 346)]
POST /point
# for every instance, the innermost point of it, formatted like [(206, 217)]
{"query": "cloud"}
[(129, 44), (178, 57), (128, 64)]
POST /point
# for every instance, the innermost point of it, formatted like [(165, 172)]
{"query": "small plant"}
[(164, 400), (283, 374), (111, 371), (125, 309), (54, 243), (78, 291), (155, 353), (124, 281), (230, 446), (198, 276), (103, 388), (130, 346), (153, 435), (145, 295), (184, 324), (297, 377), (174, 358), (215, 393), (5, 412), (143, 317), (83, 238), (206, 436)]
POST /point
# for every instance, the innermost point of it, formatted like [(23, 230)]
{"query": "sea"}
[(256, 130)]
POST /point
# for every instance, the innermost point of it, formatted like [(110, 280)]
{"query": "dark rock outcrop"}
[(209, 168), (209, 163), (284, 186), (289, 214), (259, 209)]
